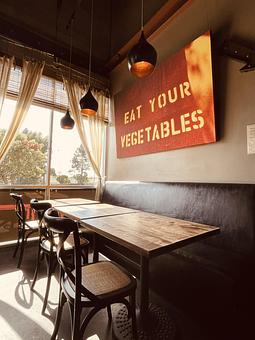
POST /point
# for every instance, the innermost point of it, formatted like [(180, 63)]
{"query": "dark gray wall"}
[(227, 159)]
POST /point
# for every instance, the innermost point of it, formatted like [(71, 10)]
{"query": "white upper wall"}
[(234, 92)]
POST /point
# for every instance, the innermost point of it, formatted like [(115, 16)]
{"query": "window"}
[(28, 161), (69, 162)]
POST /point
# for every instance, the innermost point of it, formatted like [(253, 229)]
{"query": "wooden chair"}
[(96, 285), (25, 228), (48, 246)]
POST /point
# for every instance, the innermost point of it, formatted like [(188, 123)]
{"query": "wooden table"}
[(146, 235), (86, 211), (133, 237), (61, 202)]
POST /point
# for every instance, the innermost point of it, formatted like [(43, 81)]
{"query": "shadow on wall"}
[(220, 70)]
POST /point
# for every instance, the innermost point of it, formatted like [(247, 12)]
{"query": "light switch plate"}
[(251, 139)]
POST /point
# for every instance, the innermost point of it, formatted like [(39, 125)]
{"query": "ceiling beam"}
[(169, 10)]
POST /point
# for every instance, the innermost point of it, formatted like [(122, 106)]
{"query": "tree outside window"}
[(26, 160), (80, 166)]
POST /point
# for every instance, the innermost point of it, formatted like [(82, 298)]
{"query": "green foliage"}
[(25, 162), (53, 172), (38, 137), (63, 179), (80, 165)]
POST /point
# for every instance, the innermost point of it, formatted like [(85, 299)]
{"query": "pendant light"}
[(67, 121), (142, 57), (88, 103)]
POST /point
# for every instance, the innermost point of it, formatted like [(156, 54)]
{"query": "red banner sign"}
[(172, 108)]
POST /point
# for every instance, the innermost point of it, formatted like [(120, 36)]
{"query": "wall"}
[(227, 159)]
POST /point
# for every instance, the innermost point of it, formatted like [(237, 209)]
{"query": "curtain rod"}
[(57, 65)]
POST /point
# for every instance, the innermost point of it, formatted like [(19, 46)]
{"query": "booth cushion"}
[(229, 206)]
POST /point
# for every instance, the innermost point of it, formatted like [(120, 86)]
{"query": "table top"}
[(149, 234), (82, 212), (70, 201)]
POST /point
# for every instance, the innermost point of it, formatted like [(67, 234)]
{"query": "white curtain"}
[(31, 75), (5, 70), (91, 129), (95, 127)]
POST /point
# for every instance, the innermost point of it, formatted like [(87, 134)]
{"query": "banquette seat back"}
[(210, 281), (229, 206)]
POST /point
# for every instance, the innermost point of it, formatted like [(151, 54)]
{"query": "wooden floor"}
[(20, 309)]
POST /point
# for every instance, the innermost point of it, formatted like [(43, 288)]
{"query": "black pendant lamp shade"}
[(67, 121), (142, 58), (88, 104)]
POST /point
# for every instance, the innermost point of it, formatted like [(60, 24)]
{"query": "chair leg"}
[(17, 244), (21, 249), (133, 314), (49, 272), (109, 312), (62, 300), (37, 266)]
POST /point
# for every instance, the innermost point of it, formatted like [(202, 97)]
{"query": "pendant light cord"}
[(91, 37), (142, 16), (71, 50)]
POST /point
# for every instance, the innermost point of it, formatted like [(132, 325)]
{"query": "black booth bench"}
[(212, 281)]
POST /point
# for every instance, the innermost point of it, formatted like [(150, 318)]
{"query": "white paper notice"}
[(251, 139)]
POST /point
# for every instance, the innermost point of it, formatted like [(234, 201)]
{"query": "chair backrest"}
[(64, 227), (19, 208), (39, 207)]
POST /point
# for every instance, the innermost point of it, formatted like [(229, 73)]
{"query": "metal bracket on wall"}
[(240, 52)]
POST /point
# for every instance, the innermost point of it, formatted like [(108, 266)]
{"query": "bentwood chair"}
[(47, 248), (95, 285), (25, 228)]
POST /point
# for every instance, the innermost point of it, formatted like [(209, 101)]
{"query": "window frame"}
[(47, 187)]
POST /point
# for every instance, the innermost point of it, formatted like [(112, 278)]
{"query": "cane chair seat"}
[(102, 278)]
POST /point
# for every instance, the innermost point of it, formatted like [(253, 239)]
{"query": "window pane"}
[(26, 160), (6, 115), (69, 163)]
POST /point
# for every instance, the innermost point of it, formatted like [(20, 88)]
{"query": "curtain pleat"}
[(31, 75), (91, 129), (5, 70)]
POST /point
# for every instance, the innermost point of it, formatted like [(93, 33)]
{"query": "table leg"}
[(95, 250), (144, 289), (153, 322)]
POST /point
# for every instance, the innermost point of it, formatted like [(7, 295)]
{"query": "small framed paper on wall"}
[(251, 139)]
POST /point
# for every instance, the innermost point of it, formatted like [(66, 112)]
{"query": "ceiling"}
[(45, 26)]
